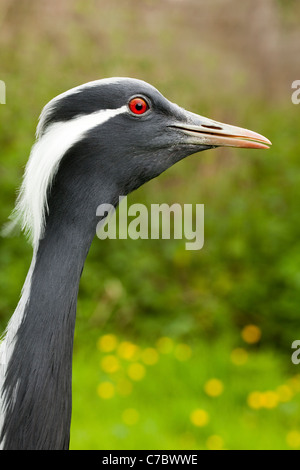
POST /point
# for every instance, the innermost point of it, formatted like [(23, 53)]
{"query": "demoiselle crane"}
[(93, 143)]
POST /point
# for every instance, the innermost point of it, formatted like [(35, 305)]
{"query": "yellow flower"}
[(107, 343), (214, 387), (215, 442), (149, 356), (254, 400), (165, 345), (182, 352), (130, 416), (110, 364), (136, 371), (251, 334), (199, 417), (239, 356), (106, 390), (269, 399), (128, 351), (285, 393)]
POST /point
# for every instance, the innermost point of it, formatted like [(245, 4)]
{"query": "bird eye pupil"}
[(138, 105)]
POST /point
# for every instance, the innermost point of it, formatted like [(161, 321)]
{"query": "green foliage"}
[(115, 408)]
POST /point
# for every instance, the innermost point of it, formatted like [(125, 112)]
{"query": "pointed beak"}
[(203, 131)]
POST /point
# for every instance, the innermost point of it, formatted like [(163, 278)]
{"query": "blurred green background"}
[(175, 349)]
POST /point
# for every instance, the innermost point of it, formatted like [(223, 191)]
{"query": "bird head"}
[(117, 134)]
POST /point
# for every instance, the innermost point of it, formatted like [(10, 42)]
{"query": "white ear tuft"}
[(43, 164)]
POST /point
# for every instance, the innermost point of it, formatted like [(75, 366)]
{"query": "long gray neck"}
[(36, 383), (37, 387)]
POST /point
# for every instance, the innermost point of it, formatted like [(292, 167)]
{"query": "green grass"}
[(171, 389)]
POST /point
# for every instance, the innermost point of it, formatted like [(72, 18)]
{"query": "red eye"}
[(138, 106)]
